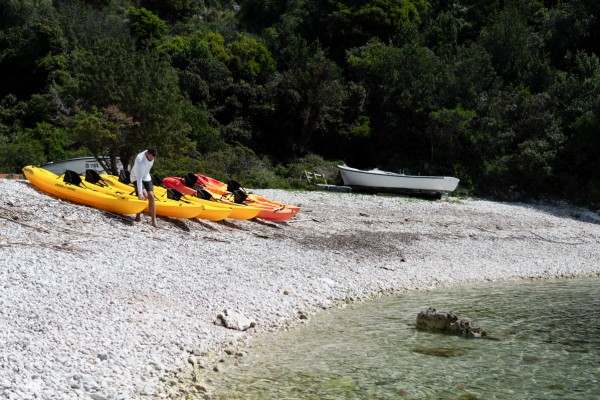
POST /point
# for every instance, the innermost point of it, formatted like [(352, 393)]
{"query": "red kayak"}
[(178, 184), (267, 211)]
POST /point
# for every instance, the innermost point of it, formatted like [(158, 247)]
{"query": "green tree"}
[(56, 141), (189, 12), (524, 138), (146, 26), (402, 84), (312, 110), (23, 150), (516, 50), (86, 23), (579, 98), (104, 132), (355, 22), (97, 135), (206, 137), (13, 114), (30, 38), (444, 31), (249, 59), (18, 147), (337, 25), (565, 27), (140, 84), (470, 75), (451, 136)]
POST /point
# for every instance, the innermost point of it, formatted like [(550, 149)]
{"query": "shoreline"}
[(97, 305), (197, 380)]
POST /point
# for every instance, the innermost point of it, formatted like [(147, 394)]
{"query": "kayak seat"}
[(174, 194), (190, 179), (72, 177), (92, 176), (239, 196), (124, 177), (203, 193), (233, 186)]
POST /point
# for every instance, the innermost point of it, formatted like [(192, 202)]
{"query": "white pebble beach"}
[(97, 306)]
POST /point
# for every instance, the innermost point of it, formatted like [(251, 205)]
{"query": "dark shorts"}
[(147, 185)]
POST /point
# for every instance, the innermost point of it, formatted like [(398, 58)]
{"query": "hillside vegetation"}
[(504, 95)]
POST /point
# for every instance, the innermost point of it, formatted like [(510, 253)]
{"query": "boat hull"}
[(382, 181)]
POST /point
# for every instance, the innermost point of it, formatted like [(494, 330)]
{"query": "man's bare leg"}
[(152, 206)]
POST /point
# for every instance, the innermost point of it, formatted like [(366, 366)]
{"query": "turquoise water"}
[(543, 343)]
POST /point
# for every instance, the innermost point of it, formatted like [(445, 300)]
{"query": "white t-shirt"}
[(141, 170)]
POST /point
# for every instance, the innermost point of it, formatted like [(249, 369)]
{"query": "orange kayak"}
[(222, 188)]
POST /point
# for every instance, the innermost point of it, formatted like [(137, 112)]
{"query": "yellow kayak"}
[(238, 211), (208, 211), (52, 184), (164, 207)]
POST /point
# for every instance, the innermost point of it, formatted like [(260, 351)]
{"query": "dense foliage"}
[(504, 94)]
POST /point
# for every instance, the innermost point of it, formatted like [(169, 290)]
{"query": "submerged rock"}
[(440, 351), (432, 320)]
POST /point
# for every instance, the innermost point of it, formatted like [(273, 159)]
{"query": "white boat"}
[(375, 180), (79, 165)]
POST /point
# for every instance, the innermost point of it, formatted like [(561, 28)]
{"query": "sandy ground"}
[(96, 306)]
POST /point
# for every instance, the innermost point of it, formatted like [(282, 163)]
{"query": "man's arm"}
[(138, 174)]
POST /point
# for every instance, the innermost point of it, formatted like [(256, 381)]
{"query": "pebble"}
[(94, 307)]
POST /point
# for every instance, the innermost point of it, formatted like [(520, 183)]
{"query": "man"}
[(142, 182)]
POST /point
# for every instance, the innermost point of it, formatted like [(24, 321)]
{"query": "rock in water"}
[(432, 320)]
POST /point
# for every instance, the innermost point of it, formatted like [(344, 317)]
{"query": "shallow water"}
[(543, 343)]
